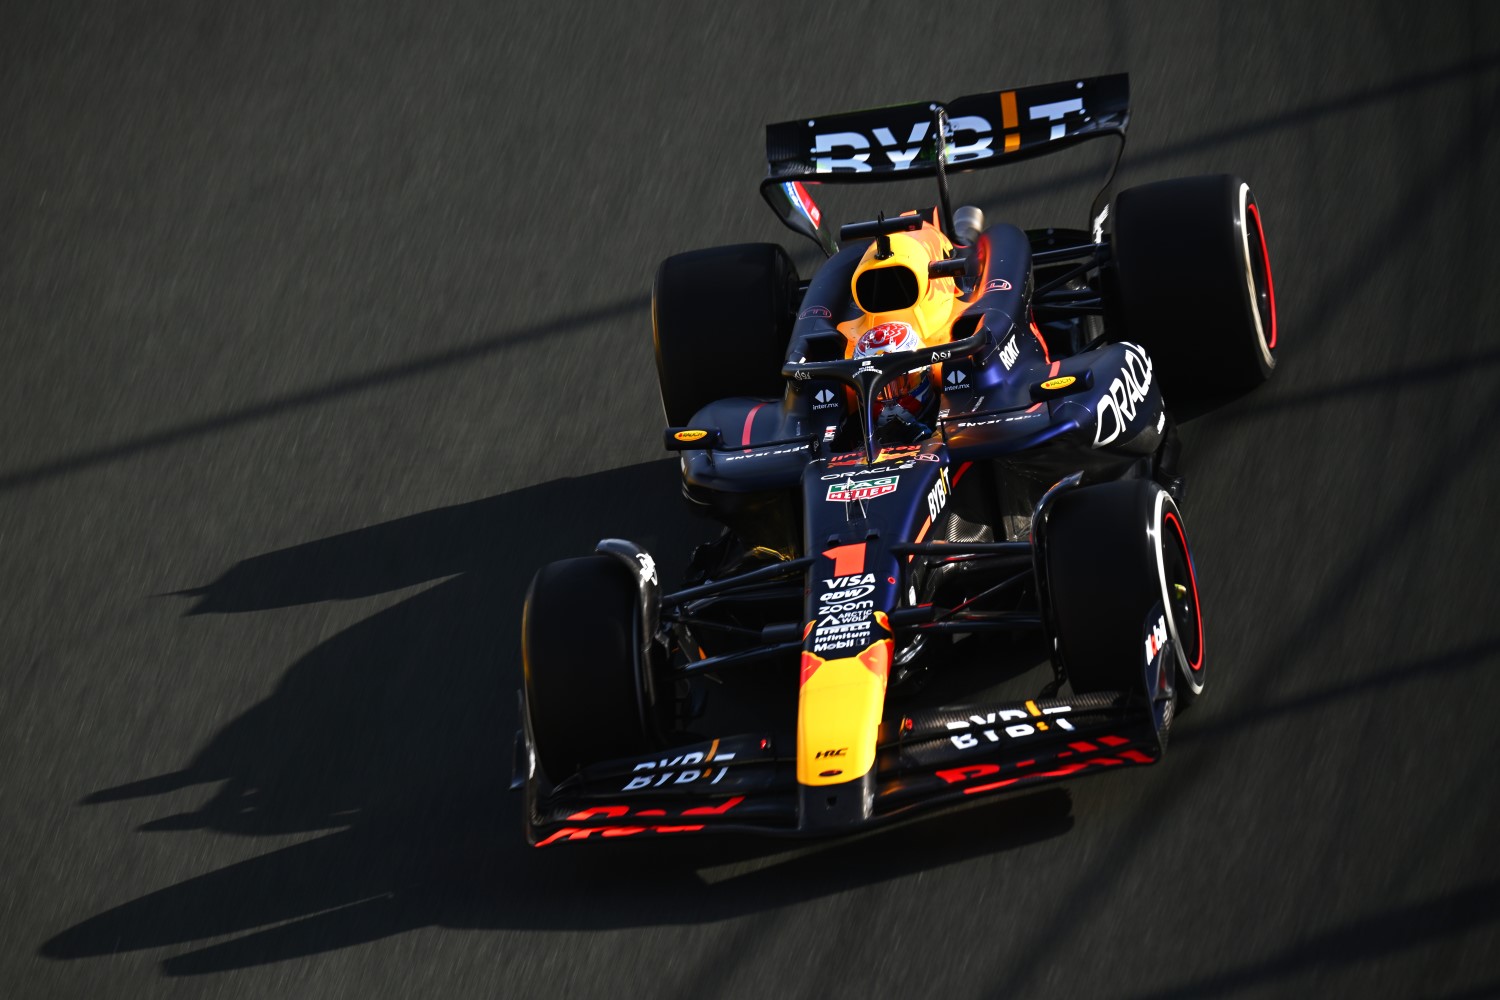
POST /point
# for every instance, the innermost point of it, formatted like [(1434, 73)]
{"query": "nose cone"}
[(839, 708)]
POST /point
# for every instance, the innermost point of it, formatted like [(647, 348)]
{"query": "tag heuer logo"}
[(864, 489)]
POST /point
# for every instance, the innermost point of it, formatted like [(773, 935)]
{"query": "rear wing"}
[(901, 142)]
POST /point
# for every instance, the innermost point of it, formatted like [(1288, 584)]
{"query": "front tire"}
[(582, 662), (1115, 554), (1193, 281)]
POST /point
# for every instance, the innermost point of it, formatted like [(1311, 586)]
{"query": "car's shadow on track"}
[(388, 748)]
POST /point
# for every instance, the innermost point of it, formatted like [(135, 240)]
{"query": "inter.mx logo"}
[(862, 489)]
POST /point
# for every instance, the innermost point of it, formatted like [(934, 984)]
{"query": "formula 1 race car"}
[(952, 434)]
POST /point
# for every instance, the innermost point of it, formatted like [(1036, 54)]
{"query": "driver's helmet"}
[(915, 392)]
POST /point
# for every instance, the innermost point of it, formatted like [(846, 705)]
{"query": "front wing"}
[(747, 783)]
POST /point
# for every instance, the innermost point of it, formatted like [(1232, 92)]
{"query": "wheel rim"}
[(1181, 597), (1257, 261), (1260, 272)]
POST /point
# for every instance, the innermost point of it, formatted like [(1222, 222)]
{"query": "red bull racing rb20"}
[(951, 440)]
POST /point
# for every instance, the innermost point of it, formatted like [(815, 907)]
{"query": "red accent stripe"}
[(958, 775), (1193, 579), (749, 419), (718, 810), (960, 473), (1265, 258), (1052, 372), (877, 657), (1037, 332), (566, 833), (585, 832), (810, 664), (608, 812)]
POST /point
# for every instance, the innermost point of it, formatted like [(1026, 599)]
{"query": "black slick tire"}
[(1192, 276), (580, 655), (1114, 553), (721, 320)]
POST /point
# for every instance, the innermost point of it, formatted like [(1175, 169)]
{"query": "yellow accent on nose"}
[(838, 717)]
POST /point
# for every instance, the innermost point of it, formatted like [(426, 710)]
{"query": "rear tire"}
[(1193, 278), (581, 657), (721, 321), (1113, 553)]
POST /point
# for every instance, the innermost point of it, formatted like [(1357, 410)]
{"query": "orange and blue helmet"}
[(914, 392)]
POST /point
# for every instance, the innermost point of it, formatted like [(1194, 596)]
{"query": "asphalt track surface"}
[(324, 324)]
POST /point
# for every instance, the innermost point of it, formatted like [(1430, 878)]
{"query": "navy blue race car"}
[(952, 433)]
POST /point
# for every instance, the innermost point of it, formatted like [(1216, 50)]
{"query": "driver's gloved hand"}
[(899, 426)]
